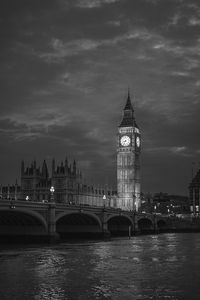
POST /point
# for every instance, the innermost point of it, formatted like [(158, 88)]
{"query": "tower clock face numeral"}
[(125, 140), (138, 141)]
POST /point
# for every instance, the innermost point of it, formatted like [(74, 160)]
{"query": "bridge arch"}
[(161, 224), (16, 221), (145, 224), (120, 215), (119, 224), (92, 215), (73, 223)]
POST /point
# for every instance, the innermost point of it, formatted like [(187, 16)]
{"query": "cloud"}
[(94, 3), (180, 73), (175, 151), (175, 20), (169, 46), (179, 149), (21, 136), (194, 22), (16, 130), (185, 51), (169, 149), (114, 23), (54, 125), (32, 124), (197, 83), (61, 49), (191, 63), (9, 125), (82, 81), (187, 14)]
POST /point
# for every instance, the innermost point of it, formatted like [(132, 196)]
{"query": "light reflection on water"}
[(145, 267)]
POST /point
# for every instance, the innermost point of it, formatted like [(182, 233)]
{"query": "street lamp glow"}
[(27, 198), (52, 190), (104, 199)]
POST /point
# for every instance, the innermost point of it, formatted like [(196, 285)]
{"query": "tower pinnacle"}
[(128, 117), (128, 105)]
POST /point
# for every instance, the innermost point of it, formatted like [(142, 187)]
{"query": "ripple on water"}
[(145, 267)]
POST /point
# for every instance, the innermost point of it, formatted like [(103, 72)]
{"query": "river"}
[(164, 266)]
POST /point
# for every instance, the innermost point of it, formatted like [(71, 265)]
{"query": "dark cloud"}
[(65, 70)]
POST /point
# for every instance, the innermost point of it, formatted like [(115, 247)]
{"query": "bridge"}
[(53, 220)]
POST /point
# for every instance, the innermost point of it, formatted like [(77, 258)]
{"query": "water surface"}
[(164, 266)]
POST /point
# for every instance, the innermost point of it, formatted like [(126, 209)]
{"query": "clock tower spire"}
[(128, 160)]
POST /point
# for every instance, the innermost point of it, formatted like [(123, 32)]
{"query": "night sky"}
[(65, 70)]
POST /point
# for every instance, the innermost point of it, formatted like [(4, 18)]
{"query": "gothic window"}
[(27, 184)]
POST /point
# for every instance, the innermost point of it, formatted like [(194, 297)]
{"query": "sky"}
[(65, 70)]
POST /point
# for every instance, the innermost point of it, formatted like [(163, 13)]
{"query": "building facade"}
[(128, 160), (10, 191), (194, 194), (69, 185), (163, 203)]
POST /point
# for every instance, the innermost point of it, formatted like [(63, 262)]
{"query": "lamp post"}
[(104, 198), (134, 213), (155, 218), (134, 203), (52, 190)]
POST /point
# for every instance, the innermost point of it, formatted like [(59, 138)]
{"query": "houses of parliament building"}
[(69, 185)]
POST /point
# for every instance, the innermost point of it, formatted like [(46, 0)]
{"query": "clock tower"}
[(128, 160)]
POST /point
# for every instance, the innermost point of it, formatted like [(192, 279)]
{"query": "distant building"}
[(10, 191), (194, 193), (164, 203), (68, 184)]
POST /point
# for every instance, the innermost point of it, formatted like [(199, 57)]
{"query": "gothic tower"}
[(128, 160)]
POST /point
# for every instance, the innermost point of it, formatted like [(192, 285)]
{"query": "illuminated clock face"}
[(138, 141), (125, 140)]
